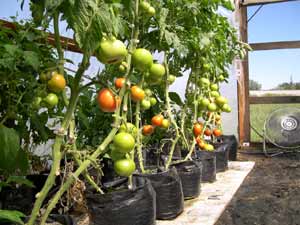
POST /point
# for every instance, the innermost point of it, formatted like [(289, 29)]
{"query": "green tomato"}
[(171, 79), (111, 51), (212, 107), (148, 92), (142, 59), (145, 104), (221, 78), (36, 104), (215, 94), (153, 101), (157, 71), (124, 167), (151, 11), (214, 87), (204, 82), (115, 155), (205, 102), (44, 77), (206, 66), (221, 100), (51, 100), (226, 108), (129, 128), (145, 5), (124, 142), (122, 68)]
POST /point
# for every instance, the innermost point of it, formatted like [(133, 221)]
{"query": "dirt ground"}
[(270, 195)]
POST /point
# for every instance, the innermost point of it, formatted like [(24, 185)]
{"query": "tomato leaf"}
[(89, 23), (10, 153), (32, 59), (12, 216), (175, 98)]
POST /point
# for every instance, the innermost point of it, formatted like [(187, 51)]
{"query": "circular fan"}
[(282, 127)]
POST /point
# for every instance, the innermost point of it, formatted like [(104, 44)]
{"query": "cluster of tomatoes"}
[(55, 84), (210, 105), (212, 100), (147, 8), (156, 121), (200, 132)]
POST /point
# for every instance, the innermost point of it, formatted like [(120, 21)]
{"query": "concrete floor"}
[(208, 207)]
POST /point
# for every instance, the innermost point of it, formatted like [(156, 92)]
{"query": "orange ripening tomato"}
[(148, 130), (107, 100), (57, 82), (217, 132), (197, 129), (157, 120), (137, 93), (207, 132), (119, 82), (200, 142)]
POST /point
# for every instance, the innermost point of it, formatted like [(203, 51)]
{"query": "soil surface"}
[(270, 195)]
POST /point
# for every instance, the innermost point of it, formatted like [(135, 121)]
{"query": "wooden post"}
[(243, 80)]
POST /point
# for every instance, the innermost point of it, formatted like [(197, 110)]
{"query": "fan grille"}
[(282, 127)]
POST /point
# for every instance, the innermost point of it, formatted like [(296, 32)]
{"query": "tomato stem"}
[(170, 115)]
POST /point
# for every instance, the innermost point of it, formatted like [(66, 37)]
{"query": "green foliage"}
[(25, 54), (254, 85), (11, 216), (19, 180), (12, 157), (93, 125), (175, 98)]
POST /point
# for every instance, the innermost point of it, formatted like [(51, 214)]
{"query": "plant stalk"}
[(170, 115), (109, 138)]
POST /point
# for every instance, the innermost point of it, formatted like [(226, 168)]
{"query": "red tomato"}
[(197, 129), (137, 93), (119, 82), (107, 100), (217, 132), (148, 130), (207, 132), (157, 120)]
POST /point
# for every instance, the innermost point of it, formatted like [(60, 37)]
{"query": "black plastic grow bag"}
[(124, 207), (169, 194), (190, 173), (221, 150), (209, 168), (232, 142)]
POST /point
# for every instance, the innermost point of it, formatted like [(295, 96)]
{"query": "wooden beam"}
[(262, 2), (243, 82), (275, 45), (274, 100), (67, 43)]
